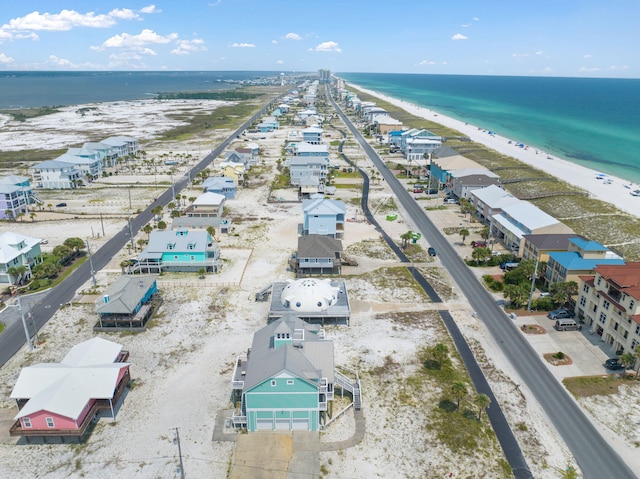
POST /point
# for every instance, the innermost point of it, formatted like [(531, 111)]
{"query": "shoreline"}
[(617, 192)]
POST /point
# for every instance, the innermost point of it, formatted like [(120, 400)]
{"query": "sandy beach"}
[(616, 192)]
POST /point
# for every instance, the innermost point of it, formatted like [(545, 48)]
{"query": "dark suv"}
[(613, 364), (560, 314), (431, 251)]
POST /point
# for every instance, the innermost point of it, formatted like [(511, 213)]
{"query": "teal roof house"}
[(179, 250), (287, 380), (127, 303)]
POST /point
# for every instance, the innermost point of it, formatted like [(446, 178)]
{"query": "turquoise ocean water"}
[(590, 121)]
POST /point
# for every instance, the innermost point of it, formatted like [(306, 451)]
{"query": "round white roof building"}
[(309, 295)]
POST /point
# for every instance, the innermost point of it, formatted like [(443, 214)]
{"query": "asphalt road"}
[(595, 457), (13, 338)]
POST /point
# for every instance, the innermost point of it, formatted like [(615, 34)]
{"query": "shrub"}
[(542, 304)]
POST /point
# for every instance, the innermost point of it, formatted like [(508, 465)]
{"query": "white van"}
[(567, 324)]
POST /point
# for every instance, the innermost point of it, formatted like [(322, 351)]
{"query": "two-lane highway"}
[(595, 456)]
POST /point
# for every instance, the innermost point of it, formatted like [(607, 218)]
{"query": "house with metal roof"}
[(127, 303), (123, 145), (63, 399), (221, 185), (55, 174), (523, 218), (489, 201), (180, 250), (466, 180), (312, 135), (581, 258), (287, 380), (323, 217), (538, 247), (206, 210), (15, 196), (18, 254), (310, 165)]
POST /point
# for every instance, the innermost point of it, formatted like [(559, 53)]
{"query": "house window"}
[(606, 304), (175, 257), (26, 422), (631, 305), (585, 288), (583, 301), (599, 281), (273, 382), (191, 246), (50, 422), (634, 343), (193, 258), (638, 329), (602, 318), (289, 382), (170, 246)]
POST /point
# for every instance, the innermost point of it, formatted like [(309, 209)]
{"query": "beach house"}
[(466, 180), (55, 174), (63, 399), (312, 135), (286, 381), (609, 304), (15, 196), (323, 217), (179, 250), (313, 300), (206, 210), (221, 185), (489, 201), (18, 254), (122, 145), (582, 257), (538, 247), (127, 303), (317, 255)]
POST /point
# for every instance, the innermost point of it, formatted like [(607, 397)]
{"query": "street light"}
[(24, 323)]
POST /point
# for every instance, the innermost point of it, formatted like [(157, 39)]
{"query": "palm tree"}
[(627, 360), (481, 254), (33, 215), (440, 352), (212, 231), (483, 402), (459, 391), (406, 237), (517, 293), (464, 232), (147, 229), (162, 225), (50, 206)]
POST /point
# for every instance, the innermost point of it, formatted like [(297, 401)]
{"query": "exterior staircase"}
[(352, 385)]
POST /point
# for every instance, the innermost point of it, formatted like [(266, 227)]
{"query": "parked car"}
[(613, 364), (561, 313), (450, 201), (478, 244), (431, 250), (61, 205), (418, 190)]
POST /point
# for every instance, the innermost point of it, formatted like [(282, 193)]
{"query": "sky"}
[(567, 38)]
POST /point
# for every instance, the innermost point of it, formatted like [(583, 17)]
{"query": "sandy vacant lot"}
[(182, 365)]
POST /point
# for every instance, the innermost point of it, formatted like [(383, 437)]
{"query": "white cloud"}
[(589, 69), (329, 46), (61, 62), (186, 47), (292, 36), (218, 2), (538, 52), (150, 9), (5, 59), (465, 25), (427, 62), (123, 14), (519, 55), (459, 36), (136, 42), (274, 42), (241, 45), (621, 67), (65, 20), (588, 55), (476, 19), (279, 62)]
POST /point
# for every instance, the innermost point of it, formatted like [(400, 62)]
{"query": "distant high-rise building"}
[(324, 75)]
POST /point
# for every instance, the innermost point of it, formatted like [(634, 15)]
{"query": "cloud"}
[(218, 2), (4, 59), (241, 45), (329, 46), (465, 25), (123, 14), (279, 62), (459, 36), (520, 55), (61, 62), (621, 67), (137, 42), (588, 55), (292, 36), (589, 69), (186, 47), (150, 9), (476, 19), (427, 62), (538, 52)]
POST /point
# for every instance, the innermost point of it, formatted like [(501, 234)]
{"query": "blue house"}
[(15, 196), (312, 135), (581, 258), (127, 303), (221, 185), (286, 380), (180, 250), (323, 217)]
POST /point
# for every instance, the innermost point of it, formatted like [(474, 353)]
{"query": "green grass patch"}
[(23, 114), (586, 386), (2, 326)]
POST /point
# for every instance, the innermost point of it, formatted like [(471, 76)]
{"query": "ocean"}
[(590, 121)]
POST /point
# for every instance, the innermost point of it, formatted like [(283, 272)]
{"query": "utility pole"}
[(533, 284), (24, 323), (179, 454), (93, 273), (102, 223)]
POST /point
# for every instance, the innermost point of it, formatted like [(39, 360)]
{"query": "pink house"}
[(62, 399)]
